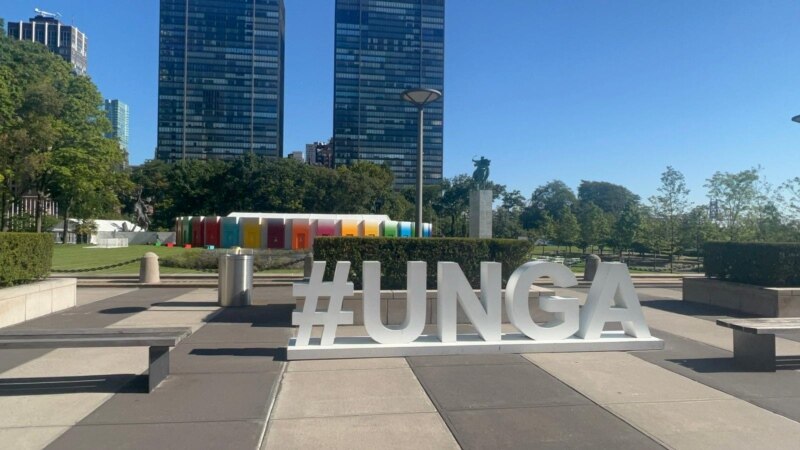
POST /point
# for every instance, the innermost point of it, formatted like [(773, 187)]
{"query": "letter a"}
[(612, 298), (416, 304)]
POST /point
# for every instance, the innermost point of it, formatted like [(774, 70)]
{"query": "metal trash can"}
[(235, 286)]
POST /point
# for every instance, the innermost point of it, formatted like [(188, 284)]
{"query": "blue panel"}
[(404, 229), (230, 232)]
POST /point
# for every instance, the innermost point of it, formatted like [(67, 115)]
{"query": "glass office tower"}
[(220, 78), (381, 49), (64, 40)]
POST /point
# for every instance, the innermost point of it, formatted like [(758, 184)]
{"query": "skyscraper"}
[(382, 48), (64, 40), (220, 78), (117, 113)]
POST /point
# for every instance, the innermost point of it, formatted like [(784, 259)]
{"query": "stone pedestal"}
[(480, 214)]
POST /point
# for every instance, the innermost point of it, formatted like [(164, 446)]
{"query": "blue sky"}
[(611, 90)]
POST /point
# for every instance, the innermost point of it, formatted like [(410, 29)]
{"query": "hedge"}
[(394, 253), (762, 264), (25, 257)]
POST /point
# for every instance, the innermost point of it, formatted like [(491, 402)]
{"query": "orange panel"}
[(349, 227), (371, 228), (301, 235)]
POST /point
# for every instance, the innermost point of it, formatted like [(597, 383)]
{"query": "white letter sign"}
[(611, 298)]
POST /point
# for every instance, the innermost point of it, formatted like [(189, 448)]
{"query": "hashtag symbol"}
[(312, 291)]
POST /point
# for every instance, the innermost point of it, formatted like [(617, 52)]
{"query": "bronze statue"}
[(143, 210), (481, 174)]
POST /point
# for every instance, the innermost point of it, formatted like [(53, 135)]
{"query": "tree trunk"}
[(3, 205), (38, 212), (66, 225)]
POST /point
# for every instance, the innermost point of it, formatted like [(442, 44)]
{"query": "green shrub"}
[(394, 253), (262, 259), (25, 257), (762, 264)]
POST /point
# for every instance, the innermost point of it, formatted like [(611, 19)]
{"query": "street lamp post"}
[(796, 119), (420, 97)]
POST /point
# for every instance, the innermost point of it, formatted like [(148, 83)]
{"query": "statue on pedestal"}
[(481, 174), (480, 201)]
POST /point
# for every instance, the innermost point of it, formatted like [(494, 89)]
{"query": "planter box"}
[(746, 298), (393, 306), (21, 303)]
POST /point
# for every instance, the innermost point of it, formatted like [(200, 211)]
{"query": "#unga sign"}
[(574, 328)]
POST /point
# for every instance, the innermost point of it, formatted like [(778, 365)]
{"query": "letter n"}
[(453, 288)]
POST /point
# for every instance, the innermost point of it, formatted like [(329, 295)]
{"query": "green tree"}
[(507, 217), (609, 197), (624, 231), (669, 206), (549, 198), (567, 231), (593, 225), (733, 196)]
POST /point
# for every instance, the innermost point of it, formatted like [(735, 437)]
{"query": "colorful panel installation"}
[(275, 231), (349, 227), (427, 230), (301, 234), (179, 231), (198, 231), (325, 227), (229, 232), (250, 232), (212, 231), (187, 230), (404, 229), (370, 228), (390, 228)]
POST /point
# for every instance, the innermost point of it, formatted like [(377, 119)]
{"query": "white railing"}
[(112, 243)]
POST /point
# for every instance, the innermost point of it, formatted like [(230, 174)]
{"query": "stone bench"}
[(754, 340), (158, 339)]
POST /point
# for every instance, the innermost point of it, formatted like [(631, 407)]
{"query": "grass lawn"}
[(71, 257)]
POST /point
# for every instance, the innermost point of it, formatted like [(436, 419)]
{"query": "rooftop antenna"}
[(47, 14)]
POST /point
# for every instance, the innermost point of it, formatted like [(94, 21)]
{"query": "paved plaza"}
[(231, 387)]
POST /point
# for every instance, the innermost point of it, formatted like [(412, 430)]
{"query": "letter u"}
[(416, 304)]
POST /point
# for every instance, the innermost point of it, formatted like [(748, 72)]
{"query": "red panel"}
[(212, 231), (275, 233), (198, 231)]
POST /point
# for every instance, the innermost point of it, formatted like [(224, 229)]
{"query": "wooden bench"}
[(158, 339), (754, 340)]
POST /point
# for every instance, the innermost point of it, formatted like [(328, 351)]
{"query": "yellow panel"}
[(252, 235), (371, 228)]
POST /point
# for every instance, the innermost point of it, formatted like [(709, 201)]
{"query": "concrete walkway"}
[(231, 387)]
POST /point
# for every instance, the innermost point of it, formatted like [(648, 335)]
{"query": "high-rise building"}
[(383, 47), (117, 113), (64, 40), (320, 154), (220, 78)]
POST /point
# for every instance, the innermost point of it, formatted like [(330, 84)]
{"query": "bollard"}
[(592, 261), (148, 269), (308, 264)]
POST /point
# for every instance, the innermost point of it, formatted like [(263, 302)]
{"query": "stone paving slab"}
[(172, 436), (350, 392), (347, 364), (23, 439), (385, 431), (230, 357), (477, 386), (549, 427), (701, 417), (776, 391)]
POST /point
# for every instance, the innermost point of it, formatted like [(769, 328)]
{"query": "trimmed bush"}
[(762, 264), (25, 257), (394, 253)]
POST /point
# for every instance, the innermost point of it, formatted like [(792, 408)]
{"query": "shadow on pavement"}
[(186, 304), (275, 315), (719, 365), (277, 353), (128, 383), (123, 310)]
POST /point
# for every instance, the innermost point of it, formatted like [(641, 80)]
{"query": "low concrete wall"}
[(393, 306), (139, 237), (29, 301), (747, 298)]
